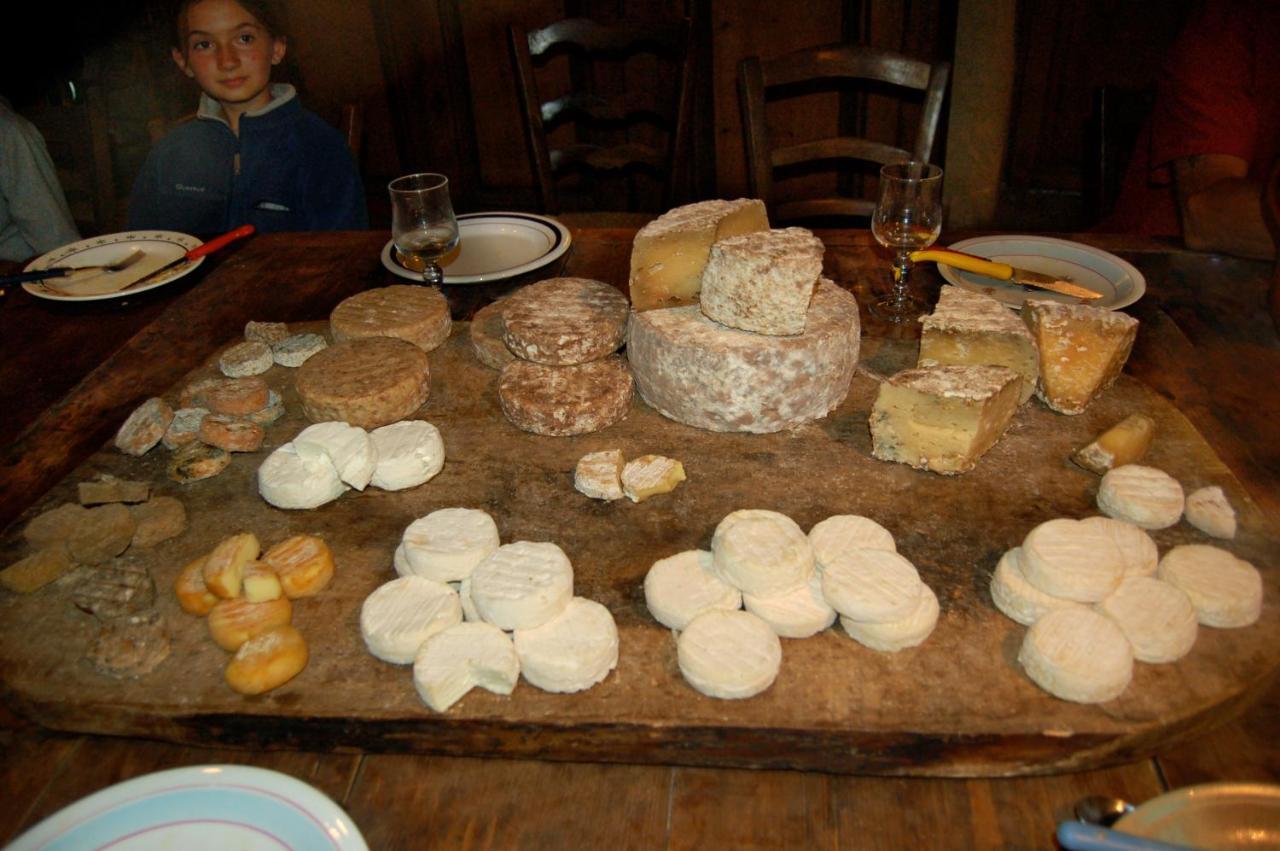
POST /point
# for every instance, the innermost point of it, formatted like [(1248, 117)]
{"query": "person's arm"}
[(1221, 208), (30, 183)]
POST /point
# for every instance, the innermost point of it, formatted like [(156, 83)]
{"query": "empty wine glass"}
[(908, 217), (423, 226)]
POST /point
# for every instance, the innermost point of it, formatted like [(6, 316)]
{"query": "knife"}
[(1002, 272), (190, 257)]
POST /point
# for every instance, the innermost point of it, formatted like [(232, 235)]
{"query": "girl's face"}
[(229, 54)]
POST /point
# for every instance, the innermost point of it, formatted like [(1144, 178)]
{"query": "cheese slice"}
[(1156, 617), (650, 475), (571, 652), (522, 585), (761, 552), (843, 532), (288, 479), (1082, 350), (892, 636), (447, 544), (1078, 655), (873, 586), (1072, 559), (971, 329), (1017, 598), (456, 660), (348, 447), (401, 614), (762, 281), (799, 613), (729, 655), (599, 474), (669, 253), (1226, 591), (408, 453), (1143, 496), (1209, 511), (943, 418), (680, 587)]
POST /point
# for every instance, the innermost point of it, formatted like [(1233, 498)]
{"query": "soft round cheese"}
[(347, 447), (1016, 597), (729, 655), (872, 586), (366, 382), (456, 660), (761, 552), (561, 321), (1144, 496), (798, 613), (1226, 591), (1156, 617), (408, 453), (446, 545), (848, 532), (892, 636), (1078, 655), (415, 314), (571, 652), (522, 585), (680, 587), (1072, 559), (1138, 551), (289, 479), (401, 614), (700, 373)]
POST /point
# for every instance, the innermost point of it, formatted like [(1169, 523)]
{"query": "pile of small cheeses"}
[(469, 611), (792, 585), (1097, 595)]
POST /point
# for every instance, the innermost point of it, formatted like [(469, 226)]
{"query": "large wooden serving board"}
[(958, 705)]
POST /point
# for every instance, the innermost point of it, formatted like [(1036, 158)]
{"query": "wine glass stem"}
[(432, 274), (901, 269)]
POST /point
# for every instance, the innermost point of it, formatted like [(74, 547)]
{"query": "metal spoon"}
[(1101, 809)]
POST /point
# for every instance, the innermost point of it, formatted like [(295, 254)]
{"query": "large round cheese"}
[(702, 374), (367, 383), (418, 315)]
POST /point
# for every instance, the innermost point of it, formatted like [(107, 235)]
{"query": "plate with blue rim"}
[(491, 247)]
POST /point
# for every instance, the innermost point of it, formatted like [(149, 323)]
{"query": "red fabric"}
[(1218, 93)]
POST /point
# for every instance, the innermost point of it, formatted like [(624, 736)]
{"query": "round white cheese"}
[(288, 479), (872, 586), (798, 613), (348, 447), (1018, 598), (1138, 551), (729, 655), (409, 453), (761, 552), (401, 614), (571, 652), (522, 585), (680, 587), (456, 660), (1077, 654), (447, 544), (1144, 496), (848, 532), (1226, 591), (892, 636), (1072, 559), (1156, 617)]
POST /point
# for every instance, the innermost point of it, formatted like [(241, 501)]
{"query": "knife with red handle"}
[(196, 253)]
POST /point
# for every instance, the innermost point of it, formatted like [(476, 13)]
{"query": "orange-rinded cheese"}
[(303, 563), (233, 622)]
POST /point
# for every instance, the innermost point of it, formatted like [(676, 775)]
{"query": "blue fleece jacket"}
[(287, 171)]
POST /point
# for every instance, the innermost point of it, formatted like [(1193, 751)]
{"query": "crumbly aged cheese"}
[(563, 321), (265, 332), (184, 428), (144, 427), (158, 519), (650, 475), (943, 418), (762, 281), (408, 453), (872, 586), (703, 374), (1017, 598), (892, 636), (458, 659), (120, 587), (670, 252), (289, 479), (1226, 591), (1078, 655), (571, 652), (296, 350), (367, 382), (1124, 443), (1143, 496), (1072, 559), (1209, 511), (401, 614), (972, 329), (415, 314), (843, 532), (678, 588), (599, 474), (560, 401), (522, 585), (1082, 350), (1138, 551), (107, 488), (798, 613), (234, 434), (102, 534), (248, 358), (761, 552), (38, 570), (349, 448), (487, 332), (196, 461), (447, 544), (1156, 617), (729, 655)]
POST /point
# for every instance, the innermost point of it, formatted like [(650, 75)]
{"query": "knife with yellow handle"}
[(1002, 272)]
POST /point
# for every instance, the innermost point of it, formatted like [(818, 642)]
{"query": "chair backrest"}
[(609, 123), (76, 134), (843, 66), (1115, 126)]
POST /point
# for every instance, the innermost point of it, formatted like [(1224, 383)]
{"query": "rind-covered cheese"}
[(892, 636), (729, 655), (943, 418), (1209, 511), (599, 474), (366, 382), (761, 552), (571, 652), (1072, 559), (1143, 496), (650, 475), (703, 374), (559, 401), (447, 544), (843, 532), (415, 314), (798, 613), (1226, 591), (762, 281), (563, 321), (971, 329), (1017, 598), (1082, 350), (678, 588), (401, 614), (670, 252), (522, 585), (1156, 617), (1077, 654), (464, 656)]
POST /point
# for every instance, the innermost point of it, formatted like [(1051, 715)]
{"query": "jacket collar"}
[(281, 94)]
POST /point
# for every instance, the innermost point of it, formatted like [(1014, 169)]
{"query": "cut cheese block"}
[(599, 474), (1156, 617), (571, 652), (762, 281), (400, 615), (447, 544), (650, 475), (798, 613), (1143, 496), (843, 532), (1124, 443), (366, 383), (487, 332), (458, 659), (1016, 597), (703, 374), (563, 321), (559, 401), (892, 636), (347, 447), (409, 453), (680, 587), (290, 479), (1077, 654), (729, 655), (872, 586), (415, 314), (1226, 591), (1072, 559), (943, 418), (971, 329), (761, 552), (669, 253), (522, 585), (1082, 350), (1138, 551), (1209, 511)]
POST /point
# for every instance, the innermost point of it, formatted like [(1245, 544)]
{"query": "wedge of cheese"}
[(670, 252), (968, 328), (762, 281), (1082, 350), (943, 418)]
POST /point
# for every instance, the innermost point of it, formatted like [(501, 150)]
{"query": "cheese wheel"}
[(458, 659), (873, 586), (273, 411), (251, 357), (54, 526), (234, 434), (267, 661), (184, 427), (761, 552), (1016, 597), (1144, 496), (292, 479), (599, 474), (37, 570), (892, 636), (194, 597), (102, 534), (303, 563), (1072, 559), (415, 314), (144, 427), (120, 587), (487, 331), (798, 613), (447, 544), (364, 382), (565, 400), (1078, 655), (843, 532), (563, 321), (401, 614), (265, 332), (700, 373), (678, 588), (1156, 617), (729, 655), (296, 350), (1226, 591), (233, 622), (571, 652), (197, 461), (1138, 552), (349, 448), (158, 519), (409, 453), (522, 585), (237, 396)]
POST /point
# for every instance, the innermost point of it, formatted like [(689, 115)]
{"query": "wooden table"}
[(1206, 340)]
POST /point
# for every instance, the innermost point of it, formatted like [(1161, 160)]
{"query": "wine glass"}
[(423, 226), (908, 217)]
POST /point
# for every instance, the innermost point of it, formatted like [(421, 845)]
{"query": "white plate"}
[(1211, 815), (494, 246), (158, 246), (1118, 281), (201, 808)]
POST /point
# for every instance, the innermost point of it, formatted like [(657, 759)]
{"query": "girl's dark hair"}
[(267, 12)]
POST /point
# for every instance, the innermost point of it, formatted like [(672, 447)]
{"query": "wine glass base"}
[(893, 309)]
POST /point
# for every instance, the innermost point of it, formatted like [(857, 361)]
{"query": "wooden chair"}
[(1115, 125), (609, 123), (845, 67), (76, 132)]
